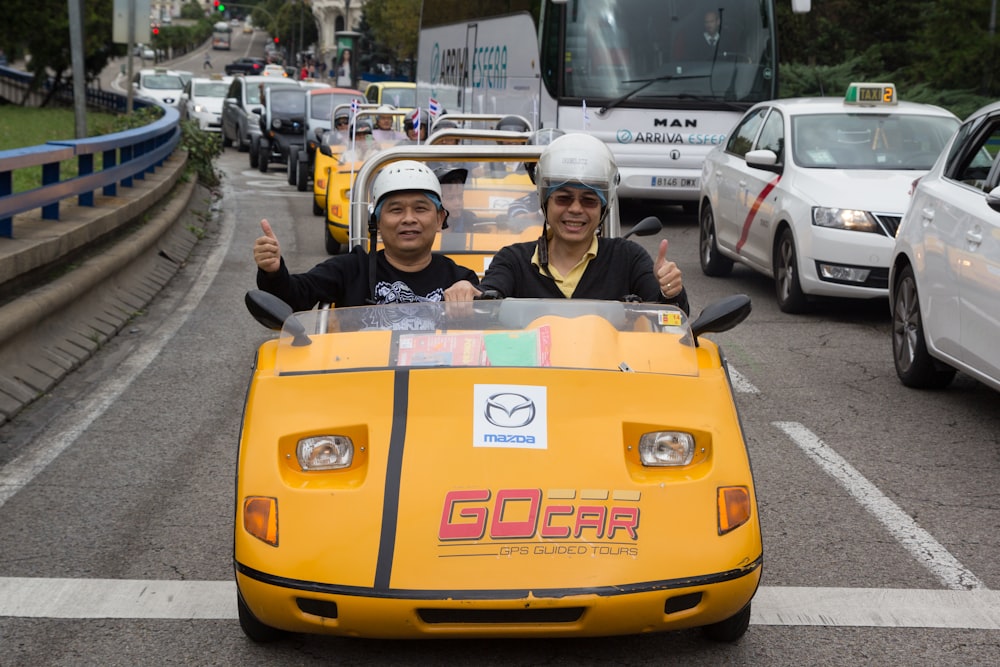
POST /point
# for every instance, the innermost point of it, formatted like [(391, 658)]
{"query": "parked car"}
[(241, 109), (246, 66), (282, 125), (412, 470), (810, 191), (945, 278)]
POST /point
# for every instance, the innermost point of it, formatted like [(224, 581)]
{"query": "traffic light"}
[(219, 7), (275, 40), (156, 30)]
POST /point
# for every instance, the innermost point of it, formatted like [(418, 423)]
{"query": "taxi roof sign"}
[(871, 94)]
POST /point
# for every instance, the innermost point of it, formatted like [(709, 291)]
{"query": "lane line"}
[(63, 432), (921, 545), (741, 384), (773, 605)]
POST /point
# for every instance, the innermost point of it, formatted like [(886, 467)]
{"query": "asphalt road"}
[(878, 503)]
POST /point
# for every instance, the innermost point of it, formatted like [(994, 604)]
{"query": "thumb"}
[(265, 227), (662, 254)]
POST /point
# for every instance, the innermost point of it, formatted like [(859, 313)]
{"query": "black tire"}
[(787, 288), (254, 152), (226, 141), (317, 209), (263, 156), (914, 365), (292, 166), (332, 245), (302, 178), (252, 627), (713, 263), (731, 629), (241, 144)]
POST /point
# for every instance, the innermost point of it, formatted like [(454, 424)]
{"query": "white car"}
[(810, 191), (159, 84), (274, 70), (945, 278), (202, 101)]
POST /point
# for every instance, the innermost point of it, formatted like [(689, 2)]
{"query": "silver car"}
[(945, 272)]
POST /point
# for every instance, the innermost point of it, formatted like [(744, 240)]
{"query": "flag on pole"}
[(415, 117), (433, 107), (586, 117), (354, 109)]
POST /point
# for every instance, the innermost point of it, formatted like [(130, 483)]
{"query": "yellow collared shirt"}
[(567, 284)]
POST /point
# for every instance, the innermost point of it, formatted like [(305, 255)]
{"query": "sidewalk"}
[(68, 285)]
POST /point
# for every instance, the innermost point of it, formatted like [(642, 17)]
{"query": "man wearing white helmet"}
[(576, 178), (407, 214)]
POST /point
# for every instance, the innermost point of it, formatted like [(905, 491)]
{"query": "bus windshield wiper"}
[(646, 83)]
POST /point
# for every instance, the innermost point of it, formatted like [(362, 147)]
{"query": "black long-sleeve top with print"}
[(343, 281), (620, 268)]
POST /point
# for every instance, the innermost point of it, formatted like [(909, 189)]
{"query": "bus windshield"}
[(643, 51)]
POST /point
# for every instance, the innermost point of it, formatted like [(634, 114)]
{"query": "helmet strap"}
[(372, 257)]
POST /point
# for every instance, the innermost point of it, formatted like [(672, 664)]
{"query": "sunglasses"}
[(342, 122), (565, 200)]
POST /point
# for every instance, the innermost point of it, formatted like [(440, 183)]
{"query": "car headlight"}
[(198, 108), (325, 452), (844, 218), (666, 448)]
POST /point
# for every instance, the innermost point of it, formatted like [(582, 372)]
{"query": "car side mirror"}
[(325, 150), (993, 199), (764, 159)]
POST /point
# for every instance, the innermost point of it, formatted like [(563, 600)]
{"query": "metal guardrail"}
[(125, 155)]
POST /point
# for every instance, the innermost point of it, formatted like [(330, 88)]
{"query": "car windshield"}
[(162, 82), (210, 89), (401, 98), (555, 333), (869, 141), (322, 105), (288, 102)]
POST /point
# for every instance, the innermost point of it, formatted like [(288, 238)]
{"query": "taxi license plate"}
[(665, 182)]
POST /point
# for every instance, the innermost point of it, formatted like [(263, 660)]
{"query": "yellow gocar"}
[(500, 469)]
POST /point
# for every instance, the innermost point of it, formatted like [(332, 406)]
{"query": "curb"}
[(48, 332)]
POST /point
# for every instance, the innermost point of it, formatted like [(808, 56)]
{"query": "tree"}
[(395, 26), (41, 29)]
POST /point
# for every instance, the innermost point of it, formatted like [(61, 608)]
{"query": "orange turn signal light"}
[(734, 507), (260, 518)]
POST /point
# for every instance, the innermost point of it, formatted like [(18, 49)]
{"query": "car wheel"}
[(226, 141), (252, 627), (292, 166), (731, 629), (332, 244), (263, 154), (713, 263), (787, 287), (914, 364), (242, 144), (302, 178)]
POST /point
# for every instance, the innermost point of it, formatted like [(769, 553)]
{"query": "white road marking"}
[(63, 432), (773, 605), (741, 385), (921, 545)]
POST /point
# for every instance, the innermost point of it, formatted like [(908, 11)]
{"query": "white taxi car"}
[(202, 101), (159, 84), (810, 191), (945, 278)]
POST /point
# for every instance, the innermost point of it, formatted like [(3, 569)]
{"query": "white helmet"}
[(577, 159), (405, 176)]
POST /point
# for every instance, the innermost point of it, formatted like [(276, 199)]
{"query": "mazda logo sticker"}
[(509, 410)]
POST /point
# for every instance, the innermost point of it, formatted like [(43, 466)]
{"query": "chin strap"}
[(372, 257)]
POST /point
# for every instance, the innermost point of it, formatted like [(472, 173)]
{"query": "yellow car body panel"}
[(437, 529)]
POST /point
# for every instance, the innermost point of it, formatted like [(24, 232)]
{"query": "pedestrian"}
[(345, 75), (208, 60)]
